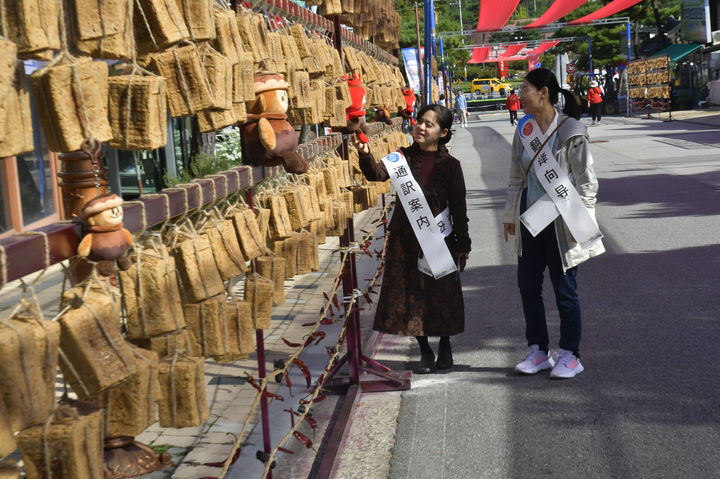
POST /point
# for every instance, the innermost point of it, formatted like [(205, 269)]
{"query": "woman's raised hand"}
[(361, 147)]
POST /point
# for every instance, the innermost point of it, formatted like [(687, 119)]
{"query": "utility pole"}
[(419, 60), (462, 29)]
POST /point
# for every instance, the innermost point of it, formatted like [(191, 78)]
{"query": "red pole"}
[(260, 341)]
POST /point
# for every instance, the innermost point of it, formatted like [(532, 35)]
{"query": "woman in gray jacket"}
[(554, 247)]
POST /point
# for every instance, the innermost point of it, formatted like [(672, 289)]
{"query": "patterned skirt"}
[(412, 303)]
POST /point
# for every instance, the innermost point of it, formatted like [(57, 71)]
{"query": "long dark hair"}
[(445, 119), (542, 77)]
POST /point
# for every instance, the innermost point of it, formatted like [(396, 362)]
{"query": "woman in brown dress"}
[(412, 303)]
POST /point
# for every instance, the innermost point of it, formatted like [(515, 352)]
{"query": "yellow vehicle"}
[(488, 85)]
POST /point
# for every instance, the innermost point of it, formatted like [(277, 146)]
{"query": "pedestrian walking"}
[(551, 176), (421, 295), (595, 102), (513, 105), (461, 108)]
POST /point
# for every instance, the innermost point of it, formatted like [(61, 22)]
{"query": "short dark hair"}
[(542, 77), (445, 119)]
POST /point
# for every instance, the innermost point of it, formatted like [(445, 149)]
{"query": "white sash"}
[(561, 197), (427, 227)]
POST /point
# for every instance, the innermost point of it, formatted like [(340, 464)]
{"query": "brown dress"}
[(412, 303)]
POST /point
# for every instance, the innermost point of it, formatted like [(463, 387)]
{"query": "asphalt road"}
[(648, 402)]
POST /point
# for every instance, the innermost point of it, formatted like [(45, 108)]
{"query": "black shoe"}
[(445, 358), (427, 363)]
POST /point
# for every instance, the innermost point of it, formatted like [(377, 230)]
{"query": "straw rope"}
[(46, 258), (289, 361), (143, 213), (166, 202), (147, 24), (200, 194), (351, 304)]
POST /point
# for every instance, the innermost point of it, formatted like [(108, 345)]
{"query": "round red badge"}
[(527, 128)]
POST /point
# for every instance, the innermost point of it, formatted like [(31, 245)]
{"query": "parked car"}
[(490, 85)]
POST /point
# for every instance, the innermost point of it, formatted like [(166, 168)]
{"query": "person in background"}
[(595, 102), (461, 108), (554, 248), (411, 302), (513, 105)]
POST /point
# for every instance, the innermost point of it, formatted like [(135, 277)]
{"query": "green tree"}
[(605, 39)]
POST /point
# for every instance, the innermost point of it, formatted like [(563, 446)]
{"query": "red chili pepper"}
[(327, 298), (270, 395), (290, 343), (319, 335), (367, 297), (252, 382), (364, 231), (336, 302), (311, 422), (309, 324), (288, 382), (327, 321), (286, 451), (317, 399), (305, 370), (303, 439)]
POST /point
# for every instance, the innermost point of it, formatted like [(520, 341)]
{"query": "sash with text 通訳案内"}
[(430, 230), (561, 197)]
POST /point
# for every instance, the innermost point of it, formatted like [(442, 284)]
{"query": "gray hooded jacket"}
[(572, 152)]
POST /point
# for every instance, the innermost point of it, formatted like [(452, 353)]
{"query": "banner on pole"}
[(412, 69)]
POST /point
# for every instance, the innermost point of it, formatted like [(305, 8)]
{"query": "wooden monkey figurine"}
[(106, 240), (268, 138), (382, 114)]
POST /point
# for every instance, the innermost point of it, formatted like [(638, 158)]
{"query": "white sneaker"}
[(568, 365), (535, 361)]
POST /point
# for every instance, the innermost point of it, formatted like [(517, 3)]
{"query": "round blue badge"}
[(393, 157)]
